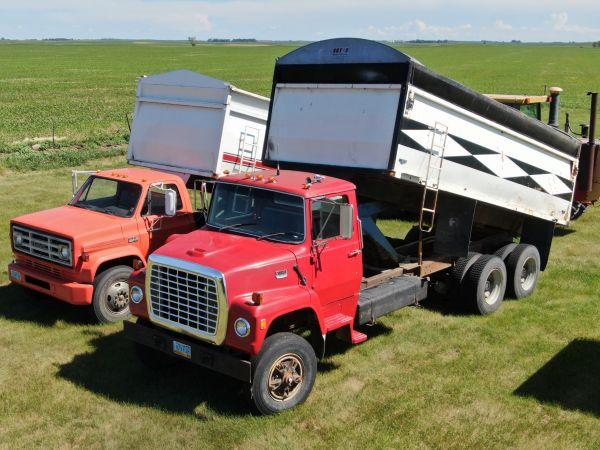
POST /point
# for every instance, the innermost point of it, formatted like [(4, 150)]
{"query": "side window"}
[(326, 217), (158, 201)]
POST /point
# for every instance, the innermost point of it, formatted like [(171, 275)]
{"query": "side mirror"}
[(170, 202), (346, 220)]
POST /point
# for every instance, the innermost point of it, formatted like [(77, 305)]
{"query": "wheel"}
[(111, 294), (523, 267), (486, 284), (151, 358), (577, 210), (284, 373), (462, 266)]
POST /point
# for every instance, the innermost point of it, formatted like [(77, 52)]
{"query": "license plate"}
[(15, 275), (182, 349)]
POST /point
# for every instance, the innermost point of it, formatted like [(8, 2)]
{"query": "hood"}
[(78, 224), (253, 264)]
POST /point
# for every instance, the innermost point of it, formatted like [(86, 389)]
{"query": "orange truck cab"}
[(83, 252), (186, 127)]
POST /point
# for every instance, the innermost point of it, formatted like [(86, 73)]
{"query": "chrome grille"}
[(41, 245), (184, 298)]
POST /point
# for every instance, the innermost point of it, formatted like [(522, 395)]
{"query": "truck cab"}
[(83, 253), (186, 127), (277, 251)]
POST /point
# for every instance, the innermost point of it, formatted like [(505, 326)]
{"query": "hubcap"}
[(528, 273), (285, 377), (117, 297), (492, 287)]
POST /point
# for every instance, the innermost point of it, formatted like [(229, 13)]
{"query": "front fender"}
[(102, 256), (276, 303)]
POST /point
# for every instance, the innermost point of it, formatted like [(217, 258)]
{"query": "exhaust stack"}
[(554, 106)]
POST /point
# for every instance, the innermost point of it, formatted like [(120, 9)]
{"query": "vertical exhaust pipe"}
[(593, 114), (554, 106), (591, 156), (587, 158)]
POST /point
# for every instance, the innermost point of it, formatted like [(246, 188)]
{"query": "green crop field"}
[(428, 377)]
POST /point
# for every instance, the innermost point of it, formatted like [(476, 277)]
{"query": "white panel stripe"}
[(551, 184), (501, 166)]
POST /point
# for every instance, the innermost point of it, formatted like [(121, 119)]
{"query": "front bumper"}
[(67, 291), (214, 358)]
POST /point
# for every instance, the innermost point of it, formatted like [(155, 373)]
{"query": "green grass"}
[(87, 87), (526, 377)]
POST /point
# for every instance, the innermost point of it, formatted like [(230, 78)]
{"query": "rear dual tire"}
[(523, 266), (485, 284)]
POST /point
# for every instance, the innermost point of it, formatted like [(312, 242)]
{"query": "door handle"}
[(354, 253)]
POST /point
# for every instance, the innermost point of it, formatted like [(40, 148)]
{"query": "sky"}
[(505, 20)]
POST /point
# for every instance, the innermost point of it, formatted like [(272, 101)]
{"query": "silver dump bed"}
[(360, 105), (190, 123)]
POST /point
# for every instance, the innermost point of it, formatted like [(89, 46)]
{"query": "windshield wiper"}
[(281, 233), (235, 225)]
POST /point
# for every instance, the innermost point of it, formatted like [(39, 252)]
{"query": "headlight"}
[(242, 327), (18, 239), (64, 252), (137, 294)]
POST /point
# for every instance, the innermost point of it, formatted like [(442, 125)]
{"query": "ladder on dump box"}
[(247, 150), (431, 186)]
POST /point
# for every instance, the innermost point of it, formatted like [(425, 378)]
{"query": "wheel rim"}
[(117, 296), (285, 377), (493, 286), (528, 274)]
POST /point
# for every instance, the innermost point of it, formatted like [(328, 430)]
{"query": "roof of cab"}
[(138, 175), (291, 182)]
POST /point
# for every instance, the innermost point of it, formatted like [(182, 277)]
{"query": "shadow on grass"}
[(447, 305), (113, 371), (18, 305), (571, 379)]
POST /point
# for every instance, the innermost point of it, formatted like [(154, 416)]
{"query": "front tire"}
[(111, 295), (523, 266), (284, 373), (486, 284)]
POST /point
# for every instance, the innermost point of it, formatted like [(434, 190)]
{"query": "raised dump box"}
[(190, 123), (349, 106)]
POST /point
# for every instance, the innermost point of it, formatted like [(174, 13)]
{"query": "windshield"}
[(108, 196), (263, 213)]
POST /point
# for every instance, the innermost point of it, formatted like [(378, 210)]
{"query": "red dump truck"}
[(186, 126), (290, 257)]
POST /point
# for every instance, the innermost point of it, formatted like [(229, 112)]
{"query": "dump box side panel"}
[(178, 128), (485, 161), (245, 125), (347, 125)]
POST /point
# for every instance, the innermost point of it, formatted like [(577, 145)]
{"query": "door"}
[(337, 261), (158, 226)]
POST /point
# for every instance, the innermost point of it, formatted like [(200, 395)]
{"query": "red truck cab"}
[(279, 251), (83, 253)]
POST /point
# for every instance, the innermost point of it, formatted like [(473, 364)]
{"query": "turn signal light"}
[(257, 298), (259, 177), (271, 180), (263, 324)]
